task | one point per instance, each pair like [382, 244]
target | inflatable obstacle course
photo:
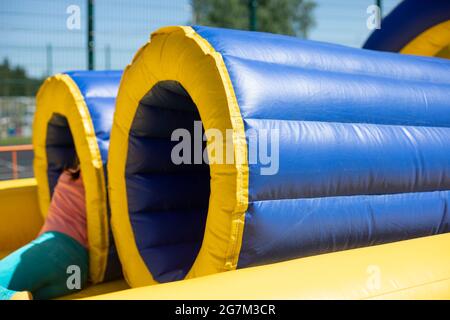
[74, 114]
[413, 269]
[364, 139]
[362, 164]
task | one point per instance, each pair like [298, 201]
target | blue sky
[28, 27]
[344, 21]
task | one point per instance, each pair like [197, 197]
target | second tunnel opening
[60, 148]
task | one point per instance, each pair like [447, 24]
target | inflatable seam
[343, 122]
[350, 73]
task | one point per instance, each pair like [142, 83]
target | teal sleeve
[41, 266]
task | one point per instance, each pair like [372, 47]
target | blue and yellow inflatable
[364, 139]
[415, 27]
[74, 114]
[363, 165]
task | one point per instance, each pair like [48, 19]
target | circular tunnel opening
[167, 200]
[60, 148]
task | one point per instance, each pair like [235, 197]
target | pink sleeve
[67, 211]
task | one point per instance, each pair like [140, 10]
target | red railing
[14, 158]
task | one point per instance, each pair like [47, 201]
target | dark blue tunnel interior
[61, 154]
[60, 148]
[168, 203]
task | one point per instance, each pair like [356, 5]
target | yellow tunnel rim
[430, 42]
[148, 68]
[60, 94]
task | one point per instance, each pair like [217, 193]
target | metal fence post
[90, 35]
[252, 7]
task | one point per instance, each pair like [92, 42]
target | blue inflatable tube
[74, 114]
[361, 159]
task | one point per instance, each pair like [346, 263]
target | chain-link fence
[49, 36]
[16, 117]
[43, 37]
[39, 38]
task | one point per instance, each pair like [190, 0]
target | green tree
[291, 17]
[15, 82]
